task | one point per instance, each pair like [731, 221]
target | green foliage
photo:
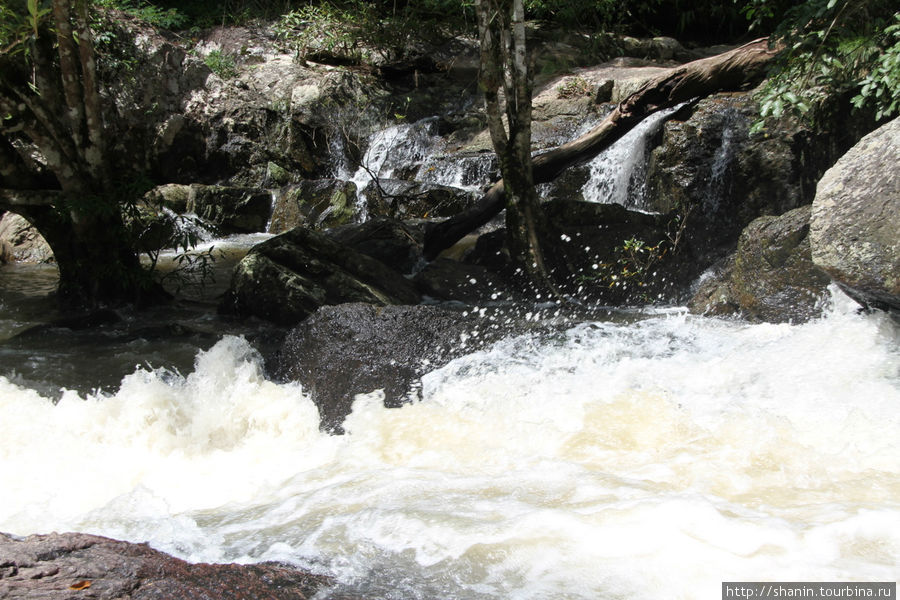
[881, 87]
[221, 64]
[352, 30]
[163, 18]
[20, 23]
[833, 49]
[574, 87]
[326, 27]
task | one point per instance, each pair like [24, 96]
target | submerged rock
[286, 278]
[855, 227]
[342, 351]
[78, 565]
[771, 277]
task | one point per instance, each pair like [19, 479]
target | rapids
[649, 459]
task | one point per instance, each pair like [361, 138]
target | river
[650, 458]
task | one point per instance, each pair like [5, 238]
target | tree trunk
[733, 70]
[50, 97]
[504, 66]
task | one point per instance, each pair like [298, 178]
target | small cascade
[187, 226]
[719, 180]
[469, 172]
[618, 174]
[276, 196]
[392, 153]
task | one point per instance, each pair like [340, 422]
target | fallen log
[730, 71]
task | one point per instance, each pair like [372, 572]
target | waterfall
[721, 161]
[617, 175]
[392, 152]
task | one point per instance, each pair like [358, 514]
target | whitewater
[647, 459]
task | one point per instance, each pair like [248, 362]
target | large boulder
[708, 164]
[20, 242]
[229, 209]
[415, 200]
[342, 351]
[314, 203]
[855, 228]
[771, 277]
[77, 565]
[707, 160]
[286, 278]
[398, 244]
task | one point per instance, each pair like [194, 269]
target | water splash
[712, 450]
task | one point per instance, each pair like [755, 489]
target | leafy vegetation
[574, 87]
[222, 64]
[833, 50]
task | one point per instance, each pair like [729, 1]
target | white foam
[648, 460]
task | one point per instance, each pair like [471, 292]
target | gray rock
[286, 278]
[855, 226]
[77, 565]
[20, 242]
[231, 209]
[342, 351]
[415, 200]
[447, 279]
[397, 244]
[315, 203]
[772, 277]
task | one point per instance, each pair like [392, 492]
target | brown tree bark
[730, 71]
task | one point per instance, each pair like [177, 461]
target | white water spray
[645, 460]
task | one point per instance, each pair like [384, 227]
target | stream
[653, 456]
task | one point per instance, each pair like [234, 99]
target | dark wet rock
[228, 209]
[772, 277]
[709, 164]
[397, 244]
[173, 196]
[594, 247]
[447, 279]
[707, 160]
[713, 295]
[855, 228]
[314, 203]
[345, 350]
[76, 565]
[20, 242]
[415, 200]
[231, 209]
[286, 278]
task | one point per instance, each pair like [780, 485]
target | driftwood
[733, 70]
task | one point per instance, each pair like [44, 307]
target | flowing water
[653, 458]
[617, 175]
